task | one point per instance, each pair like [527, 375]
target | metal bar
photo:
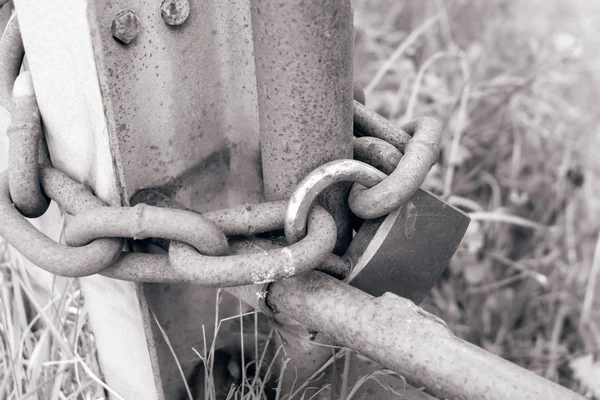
[399, 335]
[303, 59]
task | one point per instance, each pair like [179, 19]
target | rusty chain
[199, 251]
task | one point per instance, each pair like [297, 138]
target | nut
[125, 26]
[175, 12]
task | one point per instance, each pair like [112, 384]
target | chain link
[419, 140]
[44, 252]
[143, 221]
[376, 152]
[25, 133]
[11, 58]
[199, 251]
[316, 182]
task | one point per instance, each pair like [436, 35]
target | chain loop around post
[44, 252]
[198, 251]
[244, 220]
[264, 265]
[185, 264]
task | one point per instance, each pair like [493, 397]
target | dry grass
[514, 84]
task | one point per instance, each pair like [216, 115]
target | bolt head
[175, 12]
[125, 26]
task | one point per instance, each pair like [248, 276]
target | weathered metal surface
[25, 133]
[262, 266]
[319, 301]
[245, 220]
[359, 93]
[125, 26]
[144, 221]
[180, 104]
[315, 183]
[303, 58]
[11, 58]
[369, 123]
[303, 53]
[378, 153]
[420, 153]
[175, 12]
[176, 109]
[401, 336]
[407, 251]
[335, 266]
[46, 253]
[44, 285]
[73, 196]
[186, 265]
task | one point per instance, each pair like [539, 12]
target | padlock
[406, 251]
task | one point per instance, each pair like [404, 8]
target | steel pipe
[303, 58]
[401, 336]
[304, 76]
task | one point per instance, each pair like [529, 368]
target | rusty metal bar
[303, 60]
[399, 335]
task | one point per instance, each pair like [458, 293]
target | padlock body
[407, 251]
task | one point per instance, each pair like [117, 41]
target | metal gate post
[303, 57]
[173, 109]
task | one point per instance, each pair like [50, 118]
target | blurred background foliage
[515, 84]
